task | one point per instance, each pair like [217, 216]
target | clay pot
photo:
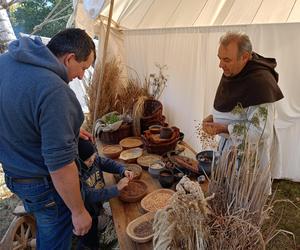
[155, 129]
[166, 178]
[166, 133]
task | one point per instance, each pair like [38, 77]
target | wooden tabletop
[123, 212]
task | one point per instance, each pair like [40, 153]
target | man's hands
[83, 134]
[122, 183]
[82, 222]
[213, 128]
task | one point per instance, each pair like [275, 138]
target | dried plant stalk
[108, 90]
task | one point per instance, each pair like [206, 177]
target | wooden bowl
[131, 142]
[112, 151]
[134, 192]
[156, 200]
[133, 228]
[130, 155]
[146, 160]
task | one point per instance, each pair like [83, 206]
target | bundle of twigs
[108, 89]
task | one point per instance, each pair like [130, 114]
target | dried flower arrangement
[156, 83]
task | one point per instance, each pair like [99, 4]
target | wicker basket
[152, 114]
[114, 137]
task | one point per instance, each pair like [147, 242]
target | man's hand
[83, 134]
[122, 183]
[129, 174]
[208, 119]
[82, 223]
[213, 128]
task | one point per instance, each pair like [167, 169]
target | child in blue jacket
[93, 187]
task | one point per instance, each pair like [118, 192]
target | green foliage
[25, 16]
[112, 118]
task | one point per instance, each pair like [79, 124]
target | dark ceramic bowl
[166, 178]
[205, 159]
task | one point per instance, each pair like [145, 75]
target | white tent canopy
[180, 34]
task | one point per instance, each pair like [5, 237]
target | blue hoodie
[40, 116]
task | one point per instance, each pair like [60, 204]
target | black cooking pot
[205, 160]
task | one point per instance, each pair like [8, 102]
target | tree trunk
[6, 31]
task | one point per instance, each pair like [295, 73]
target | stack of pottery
[160, 143]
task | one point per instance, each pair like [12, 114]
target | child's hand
[129, 174]
[122, 183]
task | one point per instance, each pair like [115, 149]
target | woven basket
[114, 137]
[152, 114]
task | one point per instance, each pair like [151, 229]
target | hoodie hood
[33, 51]
[254, 85]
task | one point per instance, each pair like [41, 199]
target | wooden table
[123, 213]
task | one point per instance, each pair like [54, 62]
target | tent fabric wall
[140, 14]
[191, 57]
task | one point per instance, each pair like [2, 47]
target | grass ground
[287, 214]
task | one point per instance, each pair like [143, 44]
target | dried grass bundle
[128, 94]
[232, 217]
[182, 225]
[107, 91]
[241, 187]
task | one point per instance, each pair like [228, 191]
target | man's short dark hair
[72, 40]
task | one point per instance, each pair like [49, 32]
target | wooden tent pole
[103, 61]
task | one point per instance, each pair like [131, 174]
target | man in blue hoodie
[40, 125]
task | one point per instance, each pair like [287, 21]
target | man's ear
[67, 59]
[246, 56]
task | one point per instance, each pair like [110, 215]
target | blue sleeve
[100, 195]
[110, 166]
[59, 123]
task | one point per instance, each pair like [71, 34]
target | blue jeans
[53, 218]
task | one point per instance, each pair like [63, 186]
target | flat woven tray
[147, 160]
[131, 142]
[131, 154]
[157, 199]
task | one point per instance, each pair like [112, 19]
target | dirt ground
[286, 213]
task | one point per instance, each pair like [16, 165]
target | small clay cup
[166, 178]
[166, 133]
